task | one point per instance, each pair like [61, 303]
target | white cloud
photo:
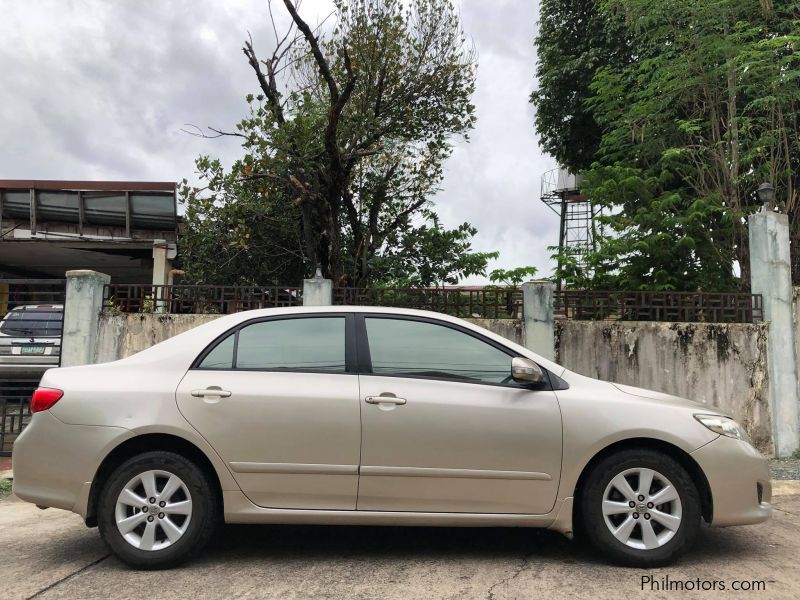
[101, 90]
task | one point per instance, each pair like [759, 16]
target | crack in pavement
[68, 577]
[523, 566]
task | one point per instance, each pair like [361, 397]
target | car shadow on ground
[317, 542]
[389, 542]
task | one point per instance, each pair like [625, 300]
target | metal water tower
[561, 192]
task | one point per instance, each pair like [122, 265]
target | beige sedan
[349, 415]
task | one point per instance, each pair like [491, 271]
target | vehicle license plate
[32, 350]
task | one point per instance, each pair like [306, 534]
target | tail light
[44, 398]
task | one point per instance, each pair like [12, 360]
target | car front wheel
[157, 509]
[640, 508]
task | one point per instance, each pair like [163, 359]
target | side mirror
[525, 370]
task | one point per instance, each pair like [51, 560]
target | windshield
[34, 323]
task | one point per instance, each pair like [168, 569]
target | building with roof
[126, 229]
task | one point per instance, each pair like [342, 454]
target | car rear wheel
[157, 509]
[640, 508]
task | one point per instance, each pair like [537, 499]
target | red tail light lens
[44, 398]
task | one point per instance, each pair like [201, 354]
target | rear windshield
[34, 323]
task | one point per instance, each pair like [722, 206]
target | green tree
[347, 136]
[705, 109]
[238, 234]
[429, 255]
[576, 37]
[512, 277]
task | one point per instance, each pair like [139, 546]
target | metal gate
[15, 411]
[31, 322]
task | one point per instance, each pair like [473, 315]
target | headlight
[724, 426]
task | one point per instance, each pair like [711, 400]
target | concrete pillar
[82, 305]
[317, 291]
[770, 268]
[537, 299]
[163, 253]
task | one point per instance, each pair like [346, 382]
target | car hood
[661, 397]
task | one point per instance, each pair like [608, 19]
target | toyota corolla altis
[351, 415]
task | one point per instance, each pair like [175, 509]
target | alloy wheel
[153, 510]
[642, 508]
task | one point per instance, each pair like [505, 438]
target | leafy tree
[429, 255]
[705, 109]
[239, 234]
[576, 37]
[512, 277]
[346, 139]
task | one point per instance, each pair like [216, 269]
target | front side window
[307, 344]
[422, 349]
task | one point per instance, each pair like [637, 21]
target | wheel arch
[678, 454]
[147, 442]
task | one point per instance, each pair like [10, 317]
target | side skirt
[239, 509]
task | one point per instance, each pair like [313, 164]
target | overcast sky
[93, 89]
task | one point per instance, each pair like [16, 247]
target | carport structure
[123, 228]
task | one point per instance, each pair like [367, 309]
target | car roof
[173, 351]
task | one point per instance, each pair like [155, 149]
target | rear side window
[420, 349]
[221, 356]
[306, 344]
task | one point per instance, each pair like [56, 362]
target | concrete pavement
[51, 554]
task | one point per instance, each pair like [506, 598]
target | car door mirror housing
[525, 370]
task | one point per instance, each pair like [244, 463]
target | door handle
[385, 400]
[214, 392]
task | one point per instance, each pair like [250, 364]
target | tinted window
[401, 347]
[221, 357]
[153, 211]
[34, 323]
[105, 208]
[58, 206]
[16, 205]
[307, 344]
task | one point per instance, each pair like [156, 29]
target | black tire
[598, 533]
[205, 516]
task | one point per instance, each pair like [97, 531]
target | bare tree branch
[217, 133]
[322, 63]
[268, 83]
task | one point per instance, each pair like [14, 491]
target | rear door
[278, 400]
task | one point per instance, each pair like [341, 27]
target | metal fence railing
[490, 302]
[696, 307]
[15, 411]
[486, 303]
[208, 299]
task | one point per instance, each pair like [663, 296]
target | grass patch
[5, 487]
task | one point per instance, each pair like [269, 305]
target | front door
[446, 429]
[278, 400]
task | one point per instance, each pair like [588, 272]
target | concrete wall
[722, 365]
[511, 329]
[121, 335]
